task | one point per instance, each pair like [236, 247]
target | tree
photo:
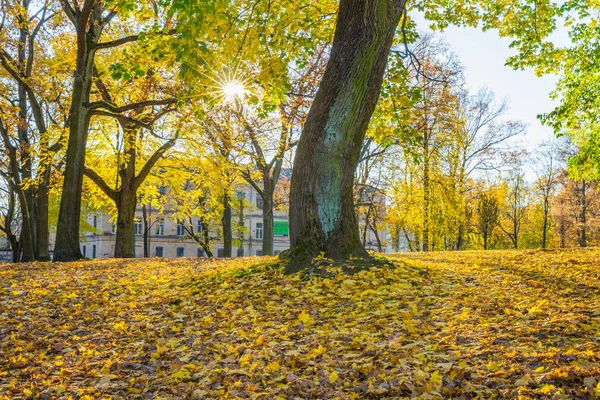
[487, 216]
[322, 216]
[547, 169]
[480, 143]
[26, 122]
[269, 136]
[10, 219]
[144, 134]
[516, 197]
[91, 21]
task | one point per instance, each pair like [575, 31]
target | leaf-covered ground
[441, 325]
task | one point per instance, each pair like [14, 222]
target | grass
[498, 324]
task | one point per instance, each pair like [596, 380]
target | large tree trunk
[322, 215]
[125, 240]
[268, 234]
[126, 199]
[67, 231]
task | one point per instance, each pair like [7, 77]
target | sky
[483, 55]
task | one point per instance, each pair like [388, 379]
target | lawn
[498, 324]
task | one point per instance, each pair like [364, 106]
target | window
[241, 195]
[137, 227]
[114, 228]
[200, 252]
[158, 251]
[162, 190]
[200, 227]
[259, 252]
[95, 223]
[259, 201]
[180, 251]
[84, 251]
[259, 231]
[160, 227]
[180, 230]
[94, 251]
[221, 253]
[240, 252]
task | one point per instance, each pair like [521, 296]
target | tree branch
[116, 109]
[158, 154]
[101, 183]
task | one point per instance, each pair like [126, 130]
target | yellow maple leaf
[304, 317]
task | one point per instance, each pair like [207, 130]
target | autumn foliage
[437, 325]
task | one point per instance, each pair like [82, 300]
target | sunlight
[233, 90]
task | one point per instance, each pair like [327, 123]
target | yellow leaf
[436, 380]
[120, 326]
[272, 367]
[492, 366]
[181, 374]
[333, 376]
[304, 317]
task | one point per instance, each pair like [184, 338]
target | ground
[440, 325]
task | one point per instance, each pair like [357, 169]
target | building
[168, 238]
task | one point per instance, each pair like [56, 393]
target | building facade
[168, 238]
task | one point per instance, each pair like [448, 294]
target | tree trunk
[377, 238]
[408, 241]
[125, 240]
[206, 245]
[426, 193]
[146, 231]
[126, 199]
[583, 216]
[42, 248]
[268, 233]
[322, 215]
[241, 227]
[396, 238]
[67, 231]
[226, 222]
[545, 222]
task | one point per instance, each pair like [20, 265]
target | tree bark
[268, 232]
[88, 27]
[146, 231]
[226, 223]
[125, 239]
[241, 227]
[583, 215]
[545, 222]
[42, 242]
[322, 214]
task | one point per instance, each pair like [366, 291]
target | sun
[233, 90]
